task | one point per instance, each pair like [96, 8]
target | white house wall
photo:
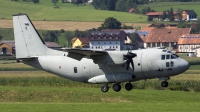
[187, 48]
[103, 45]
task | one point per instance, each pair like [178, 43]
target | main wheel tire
[104, 88]
[164, 84]
[128, 86]
[116, 87]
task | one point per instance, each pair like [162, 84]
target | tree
[135, 38]
[183, 25]
[78, 33]
[179, 14]
[104, 4]
[36, 1]
[170, 15]
[69, 36]
[164, 16]
[77, 2]
[125, 5]
[111, 23]
[1, 37]
[55, 2]
[149, 19]
[51, 36]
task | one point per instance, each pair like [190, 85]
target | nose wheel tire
[164, 84]
[116, 87]
[104, 88]
[128, 86]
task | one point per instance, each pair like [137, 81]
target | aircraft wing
[78, 54]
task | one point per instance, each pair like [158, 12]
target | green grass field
[51, 99]
[66, 12]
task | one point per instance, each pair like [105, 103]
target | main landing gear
[116, 87]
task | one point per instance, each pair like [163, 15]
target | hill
[66, 12]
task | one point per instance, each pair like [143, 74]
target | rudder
[28, 42]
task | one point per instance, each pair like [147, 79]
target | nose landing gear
[164, 84]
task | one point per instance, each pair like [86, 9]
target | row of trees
[117, 5]
[52, 36]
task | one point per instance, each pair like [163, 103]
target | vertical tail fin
[28, 42]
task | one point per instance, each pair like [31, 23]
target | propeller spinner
[129, 59]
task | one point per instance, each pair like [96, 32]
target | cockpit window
[163, 57]
[167, 56]
[169, 52]
[164, 50]
[174, 56]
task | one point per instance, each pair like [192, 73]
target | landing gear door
[86, 71]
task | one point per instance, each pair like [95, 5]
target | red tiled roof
[74, 39]
[154, 13]
[51, 44]
[147, 28]
[84, 40]
[166, 35]
[189, 39]
[131, 10]
[11, 43]
[158, 13]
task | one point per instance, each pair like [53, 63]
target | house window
[75, 70]
[110, 37]
[110, 43]
[153, 44]
[158, 44]
[148, 44]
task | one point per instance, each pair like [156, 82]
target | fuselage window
[163, 57]
[75, 70]
[167, 64]
[167, 56]
[172, 57]
[172, 63]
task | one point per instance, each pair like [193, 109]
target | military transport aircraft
[98, 67]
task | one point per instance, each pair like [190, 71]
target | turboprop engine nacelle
[111, 58]
[120, 77]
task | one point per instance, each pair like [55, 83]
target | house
[8, 46]
[158, 15]
[188, 15]
[155, 15]
[80, 42]
[108, 40]
[164, 37]
[127, 40]
[52, 45]
[189, 43]
[132, 10]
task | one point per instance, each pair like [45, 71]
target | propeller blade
[127, 64]
[132, 64]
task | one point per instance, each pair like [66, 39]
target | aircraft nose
[184, 65]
